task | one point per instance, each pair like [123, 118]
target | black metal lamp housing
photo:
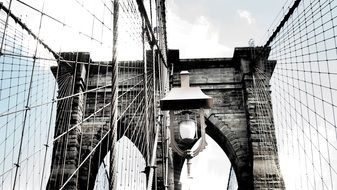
[180, 101]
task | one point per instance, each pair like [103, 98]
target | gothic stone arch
[233, 143]
[67, 151]
[231, 121]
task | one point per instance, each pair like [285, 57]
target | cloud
[246, 15]
[197, 39]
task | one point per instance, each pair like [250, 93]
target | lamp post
[186, 107]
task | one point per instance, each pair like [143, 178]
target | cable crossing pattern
[303, 90]
[79, 85]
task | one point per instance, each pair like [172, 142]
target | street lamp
[186, 106]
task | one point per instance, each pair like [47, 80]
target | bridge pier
[70, 112]
[260, 125]
[82, 132]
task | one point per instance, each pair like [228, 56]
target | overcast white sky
[201, 28]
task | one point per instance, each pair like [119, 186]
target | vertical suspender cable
[27, 105]
[154, 155]
[146, 102]
[49, 126]
[114, 101]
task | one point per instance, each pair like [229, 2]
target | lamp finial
[185, 79]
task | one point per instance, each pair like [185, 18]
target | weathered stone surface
[232, 122]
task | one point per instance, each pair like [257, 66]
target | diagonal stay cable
[24, 26]
[85, 159]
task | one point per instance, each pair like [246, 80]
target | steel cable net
[59, 65]
[304, 95]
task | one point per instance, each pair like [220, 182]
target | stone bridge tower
[240, 122]
[74, 76]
